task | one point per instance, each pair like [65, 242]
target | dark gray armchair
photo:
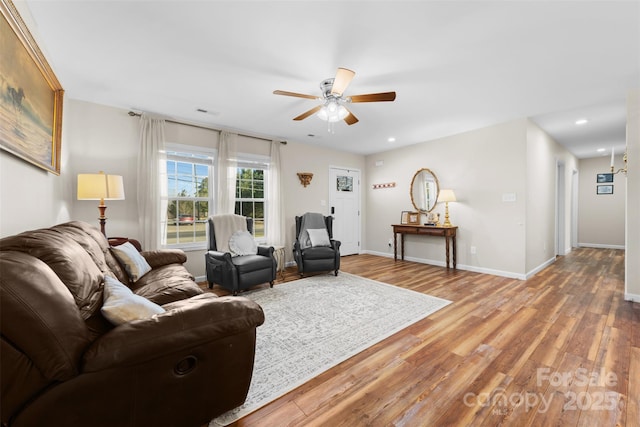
[310, 258]
[237, 273]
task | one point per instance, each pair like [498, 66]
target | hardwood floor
[562, 348]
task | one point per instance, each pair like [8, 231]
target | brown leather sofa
[64, 364]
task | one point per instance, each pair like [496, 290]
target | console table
[448, 233]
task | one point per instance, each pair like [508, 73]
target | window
[189, 174]
[250, 194]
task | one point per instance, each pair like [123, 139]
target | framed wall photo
[604, 177]
[31, 101]
[604, 189]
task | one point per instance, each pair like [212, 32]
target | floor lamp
[99, 186]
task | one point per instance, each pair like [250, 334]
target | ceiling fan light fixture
[332, 112]
[332, 109]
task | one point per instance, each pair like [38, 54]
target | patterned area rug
[315, 323]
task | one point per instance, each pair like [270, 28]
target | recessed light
[601, 150]
[391, 139]
[582, 122]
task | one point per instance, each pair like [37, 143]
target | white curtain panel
[226, 173]
[275, 201]
[152, 182]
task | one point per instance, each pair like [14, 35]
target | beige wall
[480, 166]
[632, 270]
[549, 198]
[601, 218]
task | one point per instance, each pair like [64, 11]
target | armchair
[313, 253]
[236, 273]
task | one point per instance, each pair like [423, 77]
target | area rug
[315, 323]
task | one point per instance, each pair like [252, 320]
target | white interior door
[344, 205]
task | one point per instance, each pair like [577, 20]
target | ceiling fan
[333, 100]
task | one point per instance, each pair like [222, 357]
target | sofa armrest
[161, 257]
[186, 324]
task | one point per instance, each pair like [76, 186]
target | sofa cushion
[166, 284]
[320, 252]
[97, 246]
[122, 306]
[39, 316]
[135, 264]
[248, 263]
[70, 262]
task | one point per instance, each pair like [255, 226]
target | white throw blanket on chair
[224, 226]
[309, 220]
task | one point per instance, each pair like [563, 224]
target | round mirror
[424, 190]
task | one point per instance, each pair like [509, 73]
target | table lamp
[446, 196]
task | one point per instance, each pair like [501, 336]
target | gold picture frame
[411, 218]
[30, 96]
[414, 218]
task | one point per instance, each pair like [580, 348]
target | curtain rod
[134, 114]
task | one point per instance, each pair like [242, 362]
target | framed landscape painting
[30, 95]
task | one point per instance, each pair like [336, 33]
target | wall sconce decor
[305, 178]
[623, 169]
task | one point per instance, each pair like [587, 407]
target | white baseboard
[599, 246]
[632, 297]
[201, 279]
[438, 263]
[567, 251]
[541, 267]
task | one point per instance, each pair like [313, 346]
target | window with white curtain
[251, 192]
[189, 174]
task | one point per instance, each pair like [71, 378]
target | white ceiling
[455, 65]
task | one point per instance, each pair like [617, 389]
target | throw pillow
[242, 243]
[121, 305]
[134, 263]
[319, 237]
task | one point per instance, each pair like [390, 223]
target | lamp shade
[446, 196]
[99, 186]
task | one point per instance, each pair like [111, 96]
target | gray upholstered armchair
[231, 271]
[314, 249]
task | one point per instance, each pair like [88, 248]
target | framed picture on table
[409, 217]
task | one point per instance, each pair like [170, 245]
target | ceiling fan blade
[342, 80]
[351, 119]
[297, 95]
[308, 113]
[374, 97]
